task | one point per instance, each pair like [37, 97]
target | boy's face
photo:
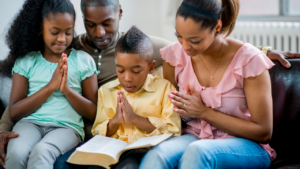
[132, 71]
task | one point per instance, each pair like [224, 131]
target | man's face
[101, 24]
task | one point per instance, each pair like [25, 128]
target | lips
[128, 88]
[59, 46]
[188, 52]
[102, 41]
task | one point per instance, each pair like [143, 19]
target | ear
[218, 27]
[41, 30]
[121, 12]
[151, 67]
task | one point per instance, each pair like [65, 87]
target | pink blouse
[228, 96]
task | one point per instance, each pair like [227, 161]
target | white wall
[154, 17]
[8, 9]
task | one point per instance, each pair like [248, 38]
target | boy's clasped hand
[124, 112]
[59, 78]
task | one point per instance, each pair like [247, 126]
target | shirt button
[96, 50]
[100, 56]
[98, 71]
[99, 64]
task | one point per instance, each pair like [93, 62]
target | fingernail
[288, 64]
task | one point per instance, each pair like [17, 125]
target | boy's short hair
[136, 42]
[96, 3]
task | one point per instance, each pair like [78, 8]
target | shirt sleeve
[23, 65]
[170, 121]
[87, 66]
[6, 123]
[103, 116]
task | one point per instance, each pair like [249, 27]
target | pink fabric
[228, 96]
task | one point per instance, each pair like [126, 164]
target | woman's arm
[258, 95]
[169, 73]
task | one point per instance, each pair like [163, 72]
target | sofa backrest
[286, 111]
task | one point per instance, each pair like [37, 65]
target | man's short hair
[96, 3]
[136, 42]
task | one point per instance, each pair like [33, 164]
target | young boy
[135, 105]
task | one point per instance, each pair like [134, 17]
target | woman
[224, 93]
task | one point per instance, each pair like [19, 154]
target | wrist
[266, 49]
[203, 113]
[67, 91]
[115, 120]
[49, 88]
[134, 120]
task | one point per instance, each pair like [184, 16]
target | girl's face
[193, 39]
[58, 32]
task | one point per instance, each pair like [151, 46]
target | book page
[103, 145]
[150, 141]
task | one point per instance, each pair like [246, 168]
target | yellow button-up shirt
[151, 102]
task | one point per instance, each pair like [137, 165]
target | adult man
[101, 19]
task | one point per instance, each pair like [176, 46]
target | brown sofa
[286, 104]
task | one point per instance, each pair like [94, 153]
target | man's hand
[4, 138]
[282, 56]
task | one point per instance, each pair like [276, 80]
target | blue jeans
[187, 151]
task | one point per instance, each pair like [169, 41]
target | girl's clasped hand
[59, 78]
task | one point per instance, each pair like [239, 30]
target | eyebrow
[135, 66]
[85, 20]
[60, 29]
[194, 37]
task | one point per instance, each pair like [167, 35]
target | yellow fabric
[151, 101]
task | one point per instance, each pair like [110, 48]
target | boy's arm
[103, 116]
[170, 121]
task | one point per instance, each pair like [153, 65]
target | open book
[105, 151]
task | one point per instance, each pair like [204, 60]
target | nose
[100, 31]
[185, 45]
[61, 37]
[127, 77]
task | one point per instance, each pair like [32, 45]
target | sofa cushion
[5, 88]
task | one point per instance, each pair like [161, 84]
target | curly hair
[136, 42]
[23, 35]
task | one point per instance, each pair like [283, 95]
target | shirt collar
[148, 85]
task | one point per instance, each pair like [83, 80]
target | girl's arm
[85, 105]
[258, 95]
[20, 105]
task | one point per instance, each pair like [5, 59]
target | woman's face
[193, 39]
[58, 32]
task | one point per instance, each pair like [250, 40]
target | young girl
[224, 93]
[53, 85]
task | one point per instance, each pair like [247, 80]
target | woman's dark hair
[24, 34]
[229, 10]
